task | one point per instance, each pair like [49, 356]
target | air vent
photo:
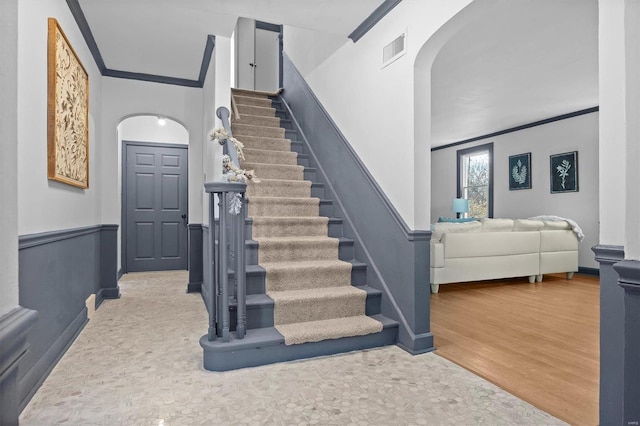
[394, 50]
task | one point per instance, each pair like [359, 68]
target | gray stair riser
[335, 228]
[261, 315]
[309, 174]
[317, 190]
[281, 114]
[326, 208]
[225, 360]
[303, 160]
[291, 134]
[297, 147]
[258, 316]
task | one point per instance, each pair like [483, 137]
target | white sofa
[501, 248]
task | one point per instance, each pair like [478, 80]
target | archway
[153, 185]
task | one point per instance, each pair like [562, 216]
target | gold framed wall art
[67, 112]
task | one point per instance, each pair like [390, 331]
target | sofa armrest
[437, 254]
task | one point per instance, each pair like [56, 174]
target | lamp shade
[460, 205]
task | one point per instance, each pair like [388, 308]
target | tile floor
[138, 362]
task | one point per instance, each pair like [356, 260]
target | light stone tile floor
[138, 362]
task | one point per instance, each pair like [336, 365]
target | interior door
[246, 45]
[257, 55]
[267, 65]
[156, 207]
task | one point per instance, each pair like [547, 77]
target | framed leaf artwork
[564, 172]
[67, 112]
[520, 171]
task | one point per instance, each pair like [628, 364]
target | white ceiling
[528, 60]
[168, 37]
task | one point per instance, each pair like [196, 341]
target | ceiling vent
[394, 50]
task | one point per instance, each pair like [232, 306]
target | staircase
[306, 294]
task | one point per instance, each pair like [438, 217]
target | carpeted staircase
[302, 278]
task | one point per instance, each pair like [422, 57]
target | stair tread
[311, 264]
[295, 219]
[257, 151]
[321, 293]
[289, 200]
[245, 163]
[295, 239]
[336, 328]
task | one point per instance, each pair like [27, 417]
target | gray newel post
[230, 249]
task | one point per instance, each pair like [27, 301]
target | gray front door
[156, 207]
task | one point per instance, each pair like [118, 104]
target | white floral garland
[221, 135]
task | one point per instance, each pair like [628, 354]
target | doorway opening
[154, 194]
[258, 53]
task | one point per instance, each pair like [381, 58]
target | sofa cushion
[561, 240]
[497, 225]
[556, 224]
[487, 244]
[528, 225]
[441, 228]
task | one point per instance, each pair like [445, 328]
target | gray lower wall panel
[58, 271]
[195, 258]
[611, 335]
[629, 279]
[14, 328]
[398, 257]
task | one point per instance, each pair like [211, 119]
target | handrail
[223, 114]
[234, 107]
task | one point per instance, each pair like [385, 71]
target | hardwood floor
[538, 341]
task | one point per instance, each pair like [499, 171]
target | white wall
[611, 51]
[574, 134]
[9, 157]
[45, 205]
[374, 106]
[146, 128]
[297, 42]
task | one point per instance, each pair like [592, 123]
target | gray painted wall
[397, 257]
[611, 335]
[58, 272]
[573, 134]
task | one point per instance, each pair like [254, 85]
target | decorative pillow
[528, 225]
[457, 220]
[497, 225]
[556, 224]
[441, 228]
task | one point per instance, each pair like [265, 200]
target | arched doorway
[154, 185]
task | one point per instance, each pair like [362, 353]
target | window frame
[488, 147]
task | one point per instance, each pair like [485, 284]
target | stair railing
[227, 248]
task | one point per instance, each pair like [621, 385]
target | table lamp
[460, 205]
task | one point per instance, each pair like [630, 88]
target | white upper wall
[126, 98]
[147, 128]
[9, 157]
[574, 134]
[374, 106]
[297, 42]
[45, 205]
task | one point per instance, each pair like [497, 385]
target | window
[475, 179]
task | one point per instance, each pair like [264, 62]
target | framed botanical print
[564, 172]
[520, 171]
[67, 112]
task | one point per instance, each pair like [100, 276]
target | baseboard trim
[421, 344]
[107, 293]
[194, 287]
[33, 379]
[589, 271]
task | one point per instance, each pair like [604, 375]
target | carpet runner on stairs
[311, 288]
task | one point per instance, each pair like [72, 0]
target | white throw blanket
[571, 222]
